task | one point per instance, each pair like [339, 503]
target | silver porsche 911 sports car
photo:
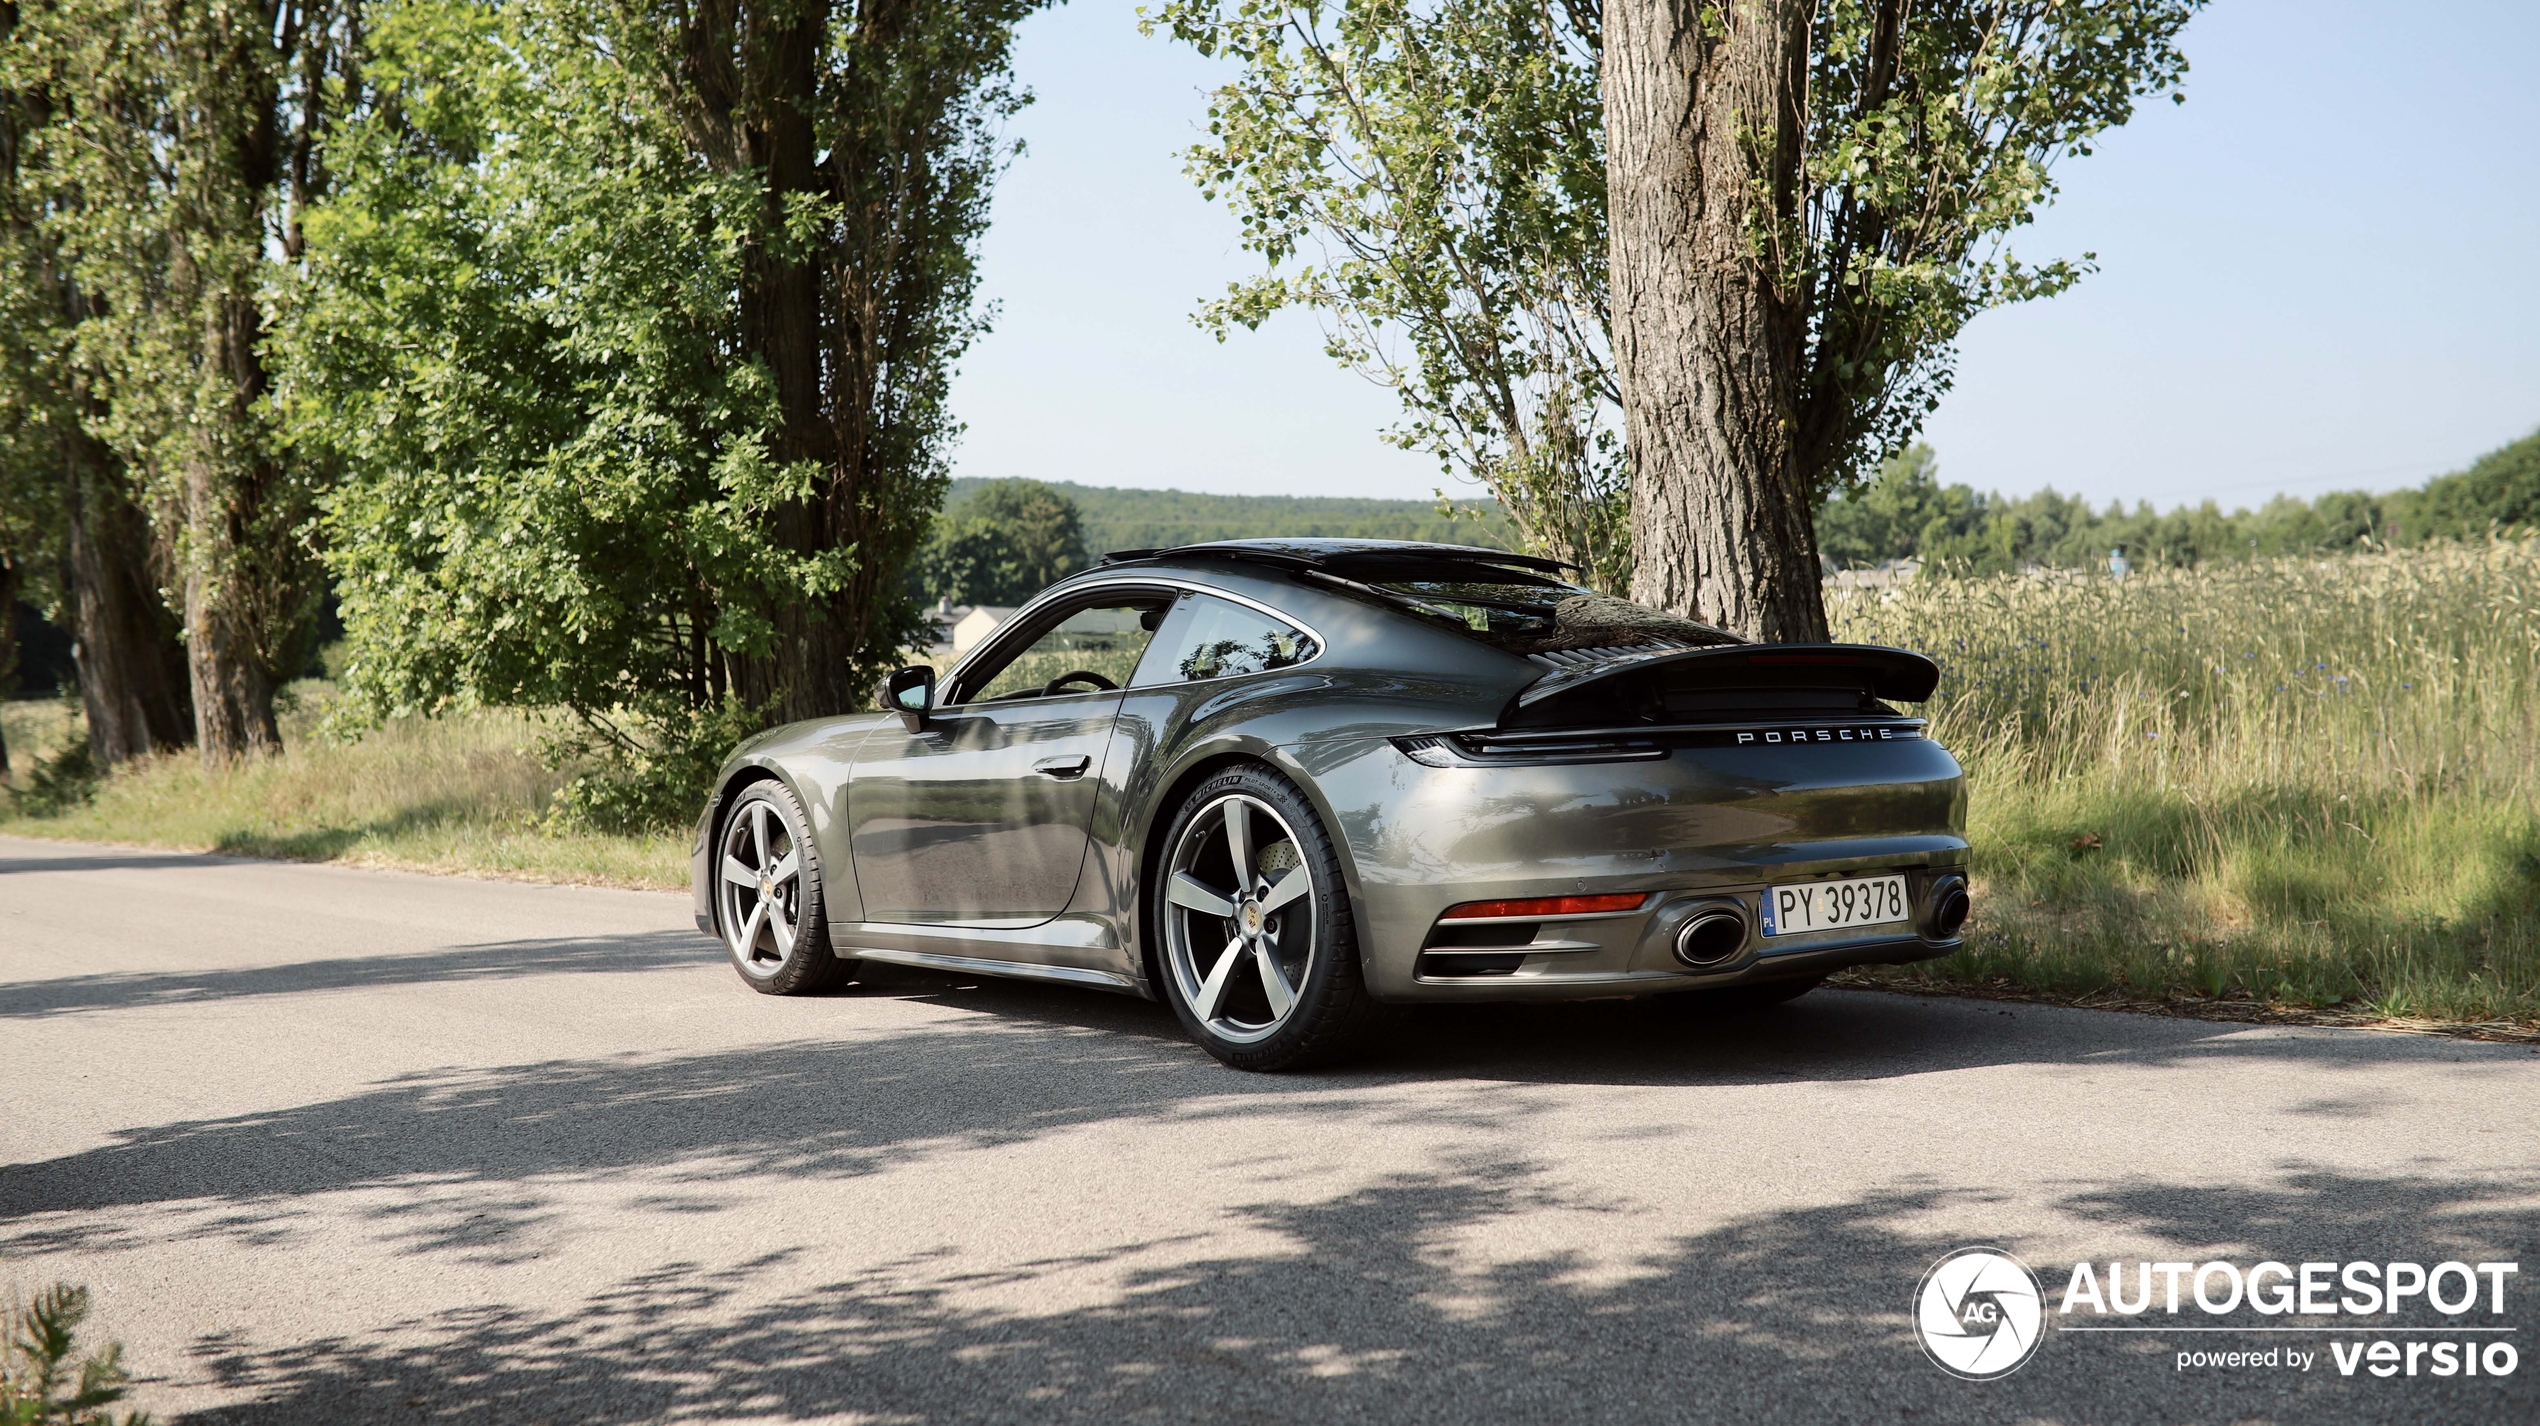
[1283, 784]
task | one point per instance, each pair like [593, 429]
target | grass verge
[464, 794]
[2309, 785]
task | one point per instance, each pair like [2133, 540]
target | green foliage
[1906, 513]
[580, 476]
[468, 794]
[67, 779]
[1431, 179]
[1900, 514]
[44, 1381]
[1930, 136]
[36, 395]
[177, 151]
[554, 477]
[2500, 492]
[1002, 544]
[648, 769]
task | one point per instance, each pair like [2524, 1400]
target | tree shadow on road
[1356, 1315]
[1826, 1035]
[1024, 1062]
[495, 960]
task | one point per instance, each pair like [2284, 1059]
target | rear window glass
[1527, 614]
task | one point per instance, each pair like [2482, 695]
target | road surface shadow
[495, 960]
[1355, 1315]
[89, 859]
[1685, 1039]
[1026, 1063]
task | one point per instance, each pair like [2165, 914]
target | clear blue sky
[2318, 273]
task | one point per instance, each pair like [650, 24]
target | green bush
[41, 1384]
[647, 769]
[59, 783]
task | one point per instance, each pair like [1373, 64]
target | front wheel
[1259, 953]
[768, 901]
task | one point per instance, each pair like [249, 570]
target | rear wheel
[767, 897]
[1258, 952]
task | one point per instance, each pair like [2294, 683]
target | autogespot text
[2451, 1313]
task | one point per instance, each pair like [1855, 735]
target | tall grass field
[2308, 781]
[2305, 784]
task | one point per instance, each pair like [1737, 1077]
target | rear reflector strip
[1546, 906]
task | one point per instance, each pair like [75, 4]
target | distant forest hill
[1906, 513]
[1154, 519]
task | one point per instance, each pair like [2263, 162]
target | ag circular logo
[1979, 1314]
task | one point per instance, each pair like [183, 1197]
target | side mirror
[911, 694]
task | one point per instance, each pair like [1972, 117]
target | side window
[1105, 640]
[1210, 637]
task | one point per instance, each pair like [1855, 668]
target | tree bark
[131, 668]
[1703, 133]
[244, 579]
[816, 654]
[229, 581]
[751, 72]
[12, 580]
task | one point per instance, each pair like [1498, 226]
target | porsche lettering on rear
[1874, 734]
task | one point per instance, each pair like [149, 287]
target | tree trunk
[1702, 136]
[808, 673]
[244, 577]
[12, 580]
[131, 668]
[229, 580]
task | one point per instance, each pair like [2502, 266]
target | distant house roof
[981, 621]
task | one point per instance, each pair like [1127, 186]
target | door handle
[1064, 768]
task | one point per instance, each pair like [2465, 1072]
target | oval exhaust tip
[1710, 938]
[1949, 914]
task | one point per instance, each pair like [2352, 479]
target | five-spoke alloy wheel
[768, 901]
[1258, 954]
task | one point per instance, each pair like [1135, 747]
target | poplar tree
[1741, 234]
[1807, 200]
[630, 329]
[71, 536]
[185, 142]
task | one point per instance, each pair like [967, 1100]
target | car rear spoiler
[1882, 672]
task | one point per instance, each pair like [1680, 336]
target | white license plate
[1834, 905]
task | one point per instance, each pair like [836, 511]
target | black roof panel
[1318, 553]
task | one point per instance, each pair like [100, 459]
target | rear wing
[1870, 670]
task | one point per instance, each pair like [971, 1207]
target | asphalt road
[345, 1146]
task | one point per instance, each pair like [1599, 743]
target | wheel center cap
[1252, 918]
[766, 887]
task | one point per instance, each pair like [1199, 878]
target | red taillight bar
[1545, 906]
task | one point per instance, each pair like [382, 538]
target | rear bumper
[1635, 952]
[1702, 827]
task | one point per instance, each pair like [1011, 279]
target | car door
[981, 817]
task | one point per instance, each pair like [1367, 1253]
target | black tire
[763, 831]
[1329, 1015]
